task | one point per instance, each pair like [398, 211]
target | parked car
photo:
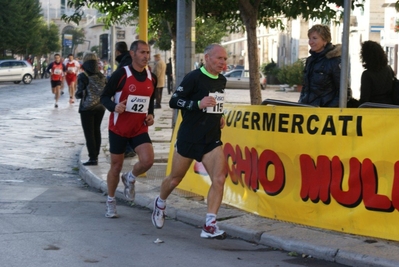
[239, 79]
[16, 71]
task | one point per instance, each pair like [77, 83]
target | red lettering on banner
[395, 186]
[371, 199]
[318, 180]
[255, 169]
[353, 196]
[271, 186]
[315, 178]
[321, 181]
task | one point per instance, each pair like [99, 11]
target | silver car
[16, 71]
[239, 79]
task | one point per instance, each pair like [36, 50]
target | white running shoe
[129, 190]
[111, 209]
[213, 231]
[158, 215]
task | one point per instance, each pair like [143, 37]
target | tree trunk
[249, 15]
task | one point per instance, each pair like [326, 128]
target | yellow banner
[330, 168]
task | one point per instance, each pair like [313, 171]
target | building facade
[96, 35]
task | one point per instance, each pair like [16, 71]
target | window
[17, 64]
[235, 74]
[5, 65]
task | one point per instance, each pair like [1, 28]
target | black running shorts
[195, 150]
[55, 84]
[117, 143]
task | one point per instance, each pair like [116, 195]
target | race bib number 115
[218, 108]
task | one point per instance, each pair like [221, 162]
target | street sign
[68, 40]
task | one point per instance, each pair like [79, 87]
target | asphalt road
[50, 217]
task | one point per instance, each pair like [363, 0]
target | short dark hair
[135, 45]
[121, 47]
[70, 55]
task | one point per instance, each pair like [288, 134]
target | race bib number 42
[218, 108]
[57, 71]
[137, 104]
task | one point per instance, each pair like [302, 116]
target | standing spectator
[129, 96]
[57, 70]
[376, 80]
[36, 67]
[322, 69]
[91, 83]
[169, 75]
[29, 59]
[72, 66]
[159, 71]
[199, 136]
[100, 66]
[122, 55]
[44, 67]
[107, 70]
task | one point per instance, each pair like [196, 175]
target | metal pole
[185, 42]
[112, 48]
[48, 14]
[343, 90]
[180, 40]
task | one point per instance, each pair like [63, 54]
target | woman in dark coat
[376, 81]
[322, 70]
[91, 82]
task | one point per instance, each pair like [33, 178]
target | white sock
[210, 218]
[161, 203]
[131, 177]
[110, 199]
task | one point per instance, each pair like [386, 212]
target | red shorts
[70, 78]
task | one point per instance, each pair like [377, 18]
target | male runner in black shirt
[200, 97]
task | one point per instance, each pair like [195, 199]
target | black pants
[158, 96]
[170, 84]
[91, 124]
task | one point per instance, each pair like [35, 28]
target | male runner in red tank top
[129, 96]
[72, 71]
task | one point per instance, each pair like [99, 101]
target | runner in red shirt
[56, 70]
[129, 96]
[72, 67]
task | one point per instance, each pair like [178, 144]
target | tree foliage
[236, 15]
[23, 30]
[206, 31]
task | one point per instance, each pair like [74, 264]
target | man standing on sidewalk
[200, 98]
[122, 55]
[169, 75]
[129, 96]
[159, 71]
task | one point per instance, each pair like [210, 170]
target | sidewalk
[189, 208]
